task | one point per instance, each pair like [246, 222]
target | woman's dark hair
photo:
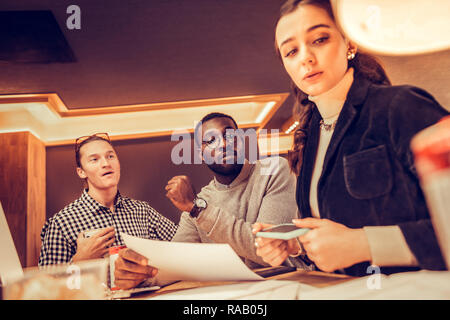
[363, 64]
[78, 146]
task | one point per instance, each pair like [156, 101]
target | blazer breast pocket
[368, 173]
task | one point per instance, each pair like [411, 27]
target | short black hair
[210, 116]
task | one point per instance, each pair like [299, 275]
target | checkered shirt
[137, 218]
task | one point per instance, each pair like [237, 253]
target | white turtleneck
[387, 244]
[329, 104]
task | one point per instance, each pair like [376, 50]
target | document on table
[192, 261]
[255, 290]
[415, 285]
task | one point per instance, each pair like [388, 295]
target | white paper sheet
[259, 290]
[192, 261]
[418, 285]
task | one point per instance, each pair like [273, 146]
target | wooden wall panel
[22, 191]
[13, 186]
[36, 198]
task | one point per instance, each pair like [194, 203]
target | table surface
[313, 278]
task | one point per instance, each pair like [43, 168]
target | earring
[350, 55]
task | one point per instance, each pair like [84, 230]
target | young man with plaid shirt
[101, 210]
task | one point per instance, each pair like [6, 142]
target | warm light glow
[21, 130]
[274, 144]
[395, 27]
[265, 111]
[292, 127]
[48, 118]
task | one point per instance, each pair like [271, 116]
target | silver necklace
[327, 126]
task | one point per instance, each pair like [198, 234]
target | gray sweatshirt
[262, 192]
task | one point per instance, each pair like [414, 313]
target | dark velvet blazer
[368, 176]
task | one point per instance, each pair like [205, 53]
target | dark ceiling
[132, 52]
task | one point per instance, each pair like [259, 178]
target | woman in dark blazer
[357, 188]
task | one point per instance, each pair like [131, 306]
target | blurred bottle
[431, 148]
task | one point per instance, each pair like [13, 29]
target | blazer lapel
[356, 96]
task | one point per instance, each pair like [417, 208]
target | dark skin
[131, 268]
[224, 172]
[180, 190]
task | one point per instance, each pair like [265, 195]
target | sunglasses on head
[79, 141]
